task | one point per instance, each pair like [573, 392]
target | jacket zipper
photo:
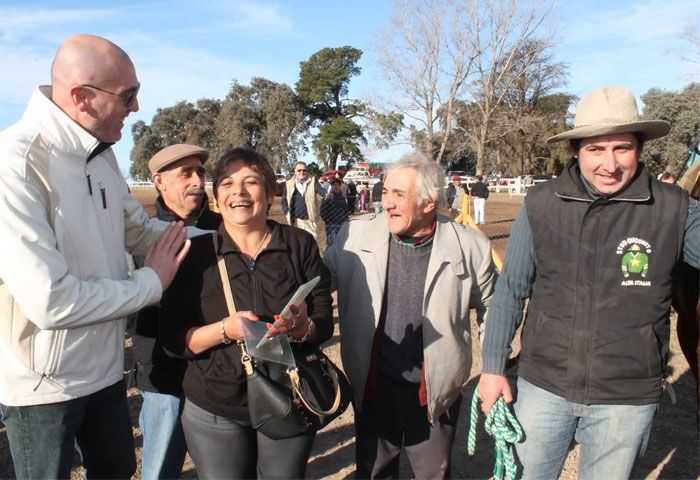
[52, 360]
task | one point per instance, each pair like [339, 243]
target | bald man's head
[94, 82]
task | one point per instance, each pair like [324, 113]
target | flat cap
[173, 153]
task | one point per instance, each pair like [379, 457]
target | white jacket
[64, 293]
[461, 276]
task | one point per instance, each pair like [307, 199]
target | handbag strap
[224, 277]
[294, 376]
[245, 357]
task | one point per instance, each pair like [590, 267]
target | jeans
[612, 437]
[378, 207]
[331, 233]
[42, 436]
[479, 204]
[164, 446]
[225, 448]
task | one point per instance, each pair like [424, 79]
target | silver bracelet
[224, 338]
[306, 334]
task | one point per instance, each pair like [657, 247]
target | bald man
[66, 221]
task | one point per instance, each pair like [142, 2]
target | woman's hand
[295, 325]
[232, 325]
[227, 331]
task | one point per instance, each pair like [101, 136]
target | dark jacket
[597, 327]
[214, 379]
[480, 190]
[154, 370]
[452, 192]
[334, 210]
[377, 191]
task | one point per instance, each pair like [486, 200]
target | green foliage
[169, 126]
[340, 136]
[682, 110]
[314, 170]
[265, 115]
[322, 88]
[323, 82]
[383, 128]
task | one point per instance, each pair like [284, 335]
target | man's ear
[429, 207]
[79, 97]
[157, 180]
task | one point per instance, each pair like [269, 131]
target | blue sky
[184, 51]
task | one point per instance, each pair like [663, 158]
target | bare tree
[426, 59]
[690, 38]
[513, 42]
[441, 54]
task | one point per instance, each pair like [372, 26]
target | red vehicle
[330, 174]
[370, 167]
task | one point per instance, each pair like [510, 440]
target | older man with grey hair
[406, 281]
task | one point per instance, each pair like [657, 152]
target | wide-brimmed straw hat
[609, 110]
[173, 153]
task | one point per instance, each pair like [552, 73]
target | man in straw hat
[593, 250]
[177, 172]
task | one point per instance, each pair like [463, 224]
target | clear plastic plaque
[302, 292]
[275, 349]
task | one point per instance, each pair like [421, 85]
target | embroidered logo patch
[634, 262]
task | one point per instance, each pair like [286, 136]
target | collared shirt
[301, 187]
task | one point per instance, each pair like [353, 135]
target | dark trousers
[224, 448]
[42, 436]
[396, 420]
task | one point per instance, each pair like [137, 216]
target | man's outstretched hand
[166, 253]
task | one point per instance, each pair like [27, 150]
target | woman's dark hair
[251, 159]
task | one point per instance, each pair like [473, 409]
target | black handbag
[285, 401]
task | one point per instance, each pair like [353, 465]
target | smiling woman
[268, 261]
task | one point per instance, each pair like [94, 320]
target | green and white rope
[502, 425]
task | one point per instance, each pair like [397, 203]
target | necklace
[252, 257]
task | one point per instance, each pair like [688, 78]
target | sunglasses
[127, 97]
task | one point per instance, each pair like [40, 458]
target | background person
[407, 353]
[299, 200]
[455, 192]
[66, 222]
[377, 194]
[596, 339]
[352, 196]
[177, 172]
[479, 192]
[266, 262]
[334, 211]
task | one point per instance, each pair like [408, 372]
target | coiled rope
[502, 425]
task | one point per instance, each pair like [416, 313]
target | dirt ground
[673, 451]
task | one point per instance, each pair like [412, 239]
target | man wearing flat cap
[593, 250]
[177, 172]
